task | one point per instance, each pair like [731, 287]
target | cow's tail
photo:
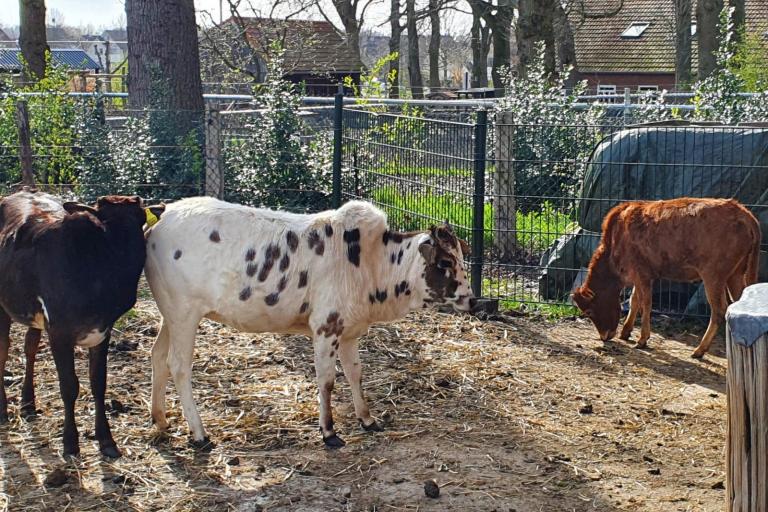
[753, 258]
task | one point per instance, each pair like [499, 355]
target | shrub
[272, 167]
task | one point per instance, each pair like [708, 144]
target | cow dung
[431, 489]
[56, 478]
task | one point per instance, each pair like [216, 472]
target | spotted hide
[328, 275]
[72, 270]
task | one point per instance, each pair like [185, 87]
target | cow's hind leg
[717, 304]
[180, 357]
[350, 361]
[644, 299]
[629, 322]
[736, 284]
[160, 375]
[326, 348]
[31, 347]
[5, 343]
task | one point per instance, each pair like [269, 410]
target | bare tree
[535, 23]
[683, 76]
[32, 38]
[481, 43]
[707, 17]
[414, 62]
[434, 43]
[351, 13]
[396, 28]
[163, 56]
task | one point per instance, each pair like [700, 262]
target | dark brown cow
[713, 240]
[73, 270]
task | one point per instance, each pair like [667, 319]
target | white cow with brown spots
[329, 275]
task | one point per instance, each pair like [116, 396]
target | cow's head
[602, 306]
[117, 209]
[446, 280]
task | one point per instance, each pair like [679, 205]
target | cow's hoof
[28, 412]
[697, 355]
[111, 451]
[333, 441]
[72, 452]
[641, 346]
[373, 427]
[206, 445]
[625, 336]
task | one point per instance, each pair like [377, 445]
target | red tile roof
[601, 49]
[312, 47]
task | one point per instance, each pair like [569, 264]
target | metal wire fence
[531, 197]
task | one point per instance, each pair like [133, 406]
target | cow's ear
[583, 298]
[427, 249]
[74, 207]
[465, 249]
[157, 210]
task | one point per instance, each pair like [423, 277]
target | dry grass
[497, 412]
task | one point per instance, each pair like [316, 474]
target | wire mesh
[546, 188]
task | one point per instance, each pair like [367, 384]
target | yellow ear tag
[151, 218]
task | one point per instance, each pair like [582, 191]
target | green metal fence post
[478, 203]
[338, 130]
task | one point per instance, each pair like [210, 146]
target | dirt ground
[518, 415]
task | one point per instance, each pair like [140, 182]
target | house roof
[4, 36]
[71, 57]
[601, 49]
[311, 47]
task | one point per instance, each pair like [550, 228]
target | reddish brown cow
[713, 240]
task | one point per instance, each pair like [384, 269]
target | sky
[109, 13]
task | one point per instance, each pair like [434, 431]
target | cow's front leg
[62, 347]
[629, 322]
[326, 349]
[350, 361]
[97, 371]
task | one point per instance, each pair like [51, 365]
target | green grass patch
[536, 229]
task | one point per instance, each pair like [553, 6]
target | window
[647, 88]
[635, 30]
[606, 90]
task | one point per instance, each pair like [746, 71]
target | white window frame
[635, 30]
[607, 90]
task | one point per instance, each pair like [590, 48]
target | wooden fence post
[505, 211]
[214, 170]
[747, 395]
[25, 144]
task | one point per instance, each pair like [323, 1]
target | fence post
[214, 170]
[505, 203]
[478, 203]
[25, 145]
[746, 487]
[627, 103]
[338, 131]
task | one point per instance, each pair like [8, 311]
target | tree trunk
[32, 38]
[414, 62]
[707, 18]
[394, 47]
[163, 56]
[535, 23]
[683, 76]
[501, 28]
[739, 19]
[434, 44]
[348, 15]
[481, 43]
[565, 54]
